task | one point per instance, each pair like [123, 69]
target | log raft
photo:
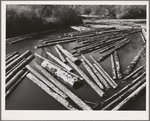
[71, 95]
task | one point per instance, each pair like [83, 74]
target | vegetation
[23, 19]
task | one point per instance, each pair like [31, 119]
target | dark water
[28, 96]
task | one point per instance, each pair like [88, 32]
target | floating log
[11, 55]
[58, 66]
[143, 38]
[92, 75]
[105, 74]
[47, 82]
[60, 62]
[72, 96]
[134, 62]
[87, 79]
[137, 74]
[133, 73]
[14, 67]
[11, 59]
[111, 51]
[60, 55]
[56, 96]
[124, 95]
[123, 90]
[13, 87]
[69, 55]
[66, 77]
[100, 77]
[144, 34]
[118, 69]
[14, 62]
[14, 79]
[130, 97]
[113, 67]
[19, 67]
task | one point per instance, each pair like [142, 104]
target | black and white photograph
[75, 60]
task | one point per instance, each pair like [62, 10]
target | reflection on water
[28, 96]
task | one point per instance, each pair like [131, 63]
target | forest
[24, 19]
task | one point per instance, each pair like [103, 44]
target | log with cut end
[92, 74]
[69, 55]
[19, 67]
[71, 95]
[87, 79]
[60, 62]
[58, 66]
[123, 90]
[100, 77]
[118, 69]
[134, 62]
[63, 75]
[124, 95]
[113, 67]
[130, 97]
[49, 91]
[18, 59]
[60, 55]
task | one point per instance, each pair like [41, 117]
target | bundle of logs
[53, 77]
[15, 69]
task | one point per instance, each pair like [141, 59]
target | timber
[60, 55]
[111, 51]
[11, 55]
[14, 79]
[11, 59]
[92, 74]
[137, 74]
[134, 62]
[60, 62]
[71, 95]
[130, 97]
[66, 77]
[14, 62]
[100, 77]
[87, 79]
[118, 69]
[13, 87]
[143, 38]
[123, 89]
[14, 67]
[109, 79]
[49, 91]
[133, 73]
[121, 97]
[58, 66]
[69, 55]
[47, 82]
[113, 67]
[20, 66]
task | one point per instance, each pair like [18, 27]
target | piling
[66, 77]
[71, 95]
[87, 79]
[56, 96]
